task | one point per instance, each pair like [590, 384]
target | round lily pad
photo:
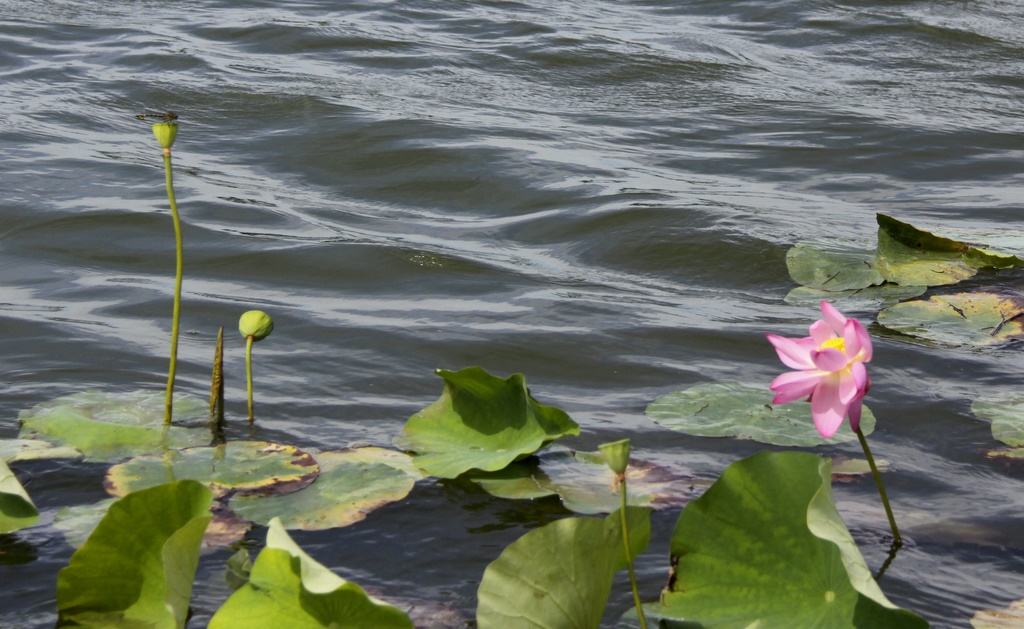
[238, 467]
[108, 426]
[745, 411]
[978, 319]
[351, 484]
[1006, 414]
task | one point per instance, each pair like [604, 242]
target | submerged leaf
[351, 484]
[107, 426]
[978, 319]
[1006, 413]
[1010, 618]
[833, 265]
[288, 588]
[559, 575]
[238, 467]
[137, 567]
[870, 298]
[16, 508]
[13, 450]
[766, 544]
[481, 422]
[745, 411]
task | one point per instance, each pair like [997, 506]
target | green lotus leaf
[288, 588]
[930, 264]
[979, 247]
[16, 508]
[108, 426]
[1010, 618]
[833, 264]
[1006, 414]
[13, 450]
[745, 411]
[766, 544]
[237, 467]
[559, 575]
[978, 319]
[351, 484]
[871, 298]
[846, 469]
[137, 567]
[1011, 454]
[585, 483]
[481, 422]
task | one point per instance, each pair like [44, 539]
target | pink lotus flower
[831, 373]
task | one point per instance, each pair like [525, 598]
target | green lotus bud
[165, 133]
[256, 324]
[616, 455]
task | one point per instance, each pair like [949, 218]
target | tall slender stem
[629, 558]
[897, 541]
[176, 317]
[248, 374]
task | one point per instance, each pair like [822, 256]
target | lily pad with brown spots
[976, 319]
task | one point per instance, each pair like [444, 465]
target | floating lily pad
[12, 450]
[351, 484]
[137, 567]
[833, 265]
[745, 411]
[288, 588]
[586, 485]
[1011, 454]
[871, 298]
[846, 469]
[16, 508]
[1006, 414]
[481, 422]
[766, 545]
[980, 248]
[1010, 618]
[559, 575]
[978, 319]
[107, 426]
[924, 265]
[238, 467]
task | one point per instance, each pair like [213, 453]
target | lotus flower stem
[629, 559]
[176, 317]
[897, 541]
[248, 375]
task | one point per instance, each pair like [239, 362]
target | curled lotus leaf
[16, 508]
[833, 264]
[745, 411]
[481, 422]
[909, 265]
[237, 467]
[979, 247]
[351, 484]
[973, 319]
[107, 426]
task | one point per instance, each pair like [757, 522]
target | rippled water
[597, 194]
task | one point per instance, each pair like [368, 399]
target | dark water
[597, 194]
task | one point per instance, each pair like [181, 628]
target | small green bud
[256, 324]
[616, 455]
[165, 133]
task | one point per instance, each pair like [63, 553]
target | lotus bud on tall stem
[616, 455]
[254, 325]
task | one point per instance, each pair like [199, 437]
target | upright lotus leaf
[977, 319]
[137, 567]
[585, 483]
[871, 298]
[107, 426]
[13, 450]
[1006, 412]
[351, 484]
[481, 422]
[16, 508]
[1010, 618]
[288, 588]
[559, 575]
[833, 264]
[238, 467]
[766, 544]
[745, 411]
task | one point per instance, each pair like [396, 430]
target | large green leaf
[980, 248]
[237, 467]
[351, 484]
[977, 319]
[137, 567]
[732, 409]
[586, 484]
[559, 575]
[481, 422]
[16, 508]
[930, 263]
[288, 588]
[766, 544]
[108, 426]
[833, 264]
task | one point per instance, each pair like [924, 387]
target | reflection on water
[599, 195]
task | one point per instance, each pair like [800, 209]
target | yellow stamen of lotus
[835, 343]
